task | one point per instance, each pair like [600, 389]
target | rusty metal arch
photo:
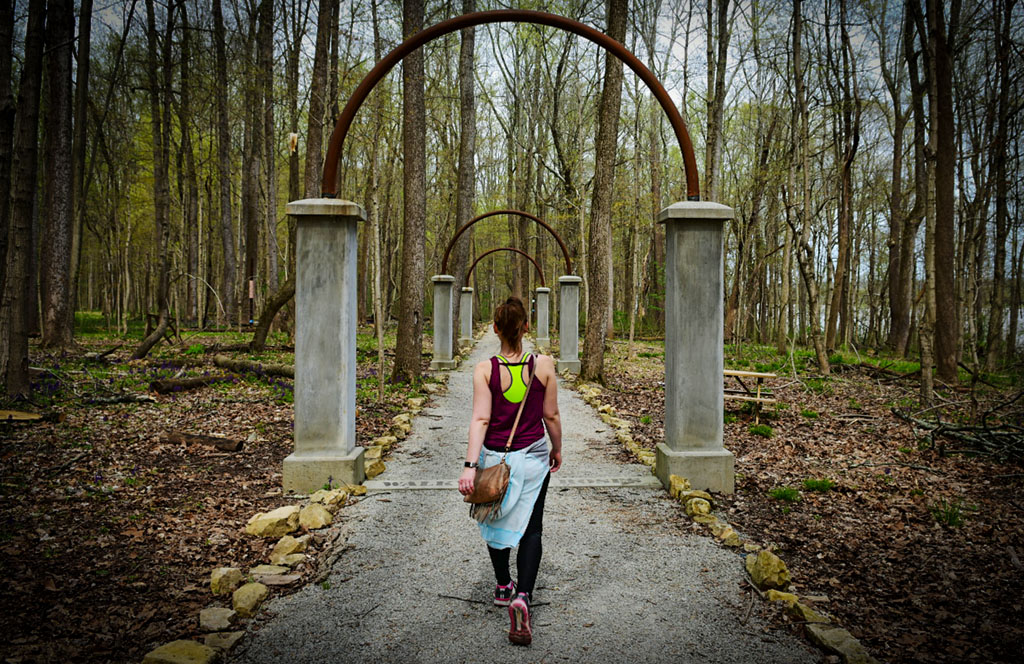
[518, 251]
[481, 217]
[380, 70]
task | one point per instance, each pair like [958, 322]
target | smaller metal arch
[540, 272]
[481, 217]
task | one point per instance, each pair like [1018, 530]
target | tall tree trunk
[78, 141]
[58, 315]
[1003, 47]
[373, 211]
[409, 345]
[317, 98]
[253, 149]
[191, 203]
[717, 15]
[160, 112]
[851, 139]
[6, 130]
[228, 280]
[804, 251]
[947, 331]
[467, 163]
[265, 50]
[899, 223]
[599, 303]
[16, 304]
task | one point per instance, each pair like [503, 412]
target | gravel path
[621, 580]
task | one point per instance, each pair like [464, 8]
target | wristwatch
[470, 464]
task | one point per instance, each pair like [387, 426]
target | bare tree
[228, 285]
[55, 278]
[79, 139]
[317, 101]
[801, 224]
[159, 80]
[15, 304]
[592, 361]
[940, 45]
[465, 188]
[717, 16]
[6, 128]
[409, 345]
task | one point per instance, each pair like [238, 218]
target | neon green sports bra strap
[517, 389]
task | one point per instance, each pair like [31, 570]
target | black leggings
[528, 556]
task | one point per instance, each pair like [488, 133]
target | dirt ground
[108, 532]
[918, 552]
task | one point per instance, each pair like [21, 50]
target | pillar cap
[325, 207]
[696, 211]
[443, 279]
[570, 279]
[467, 289]
[543, 289]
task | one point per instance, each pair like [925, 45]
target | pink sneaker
[503, 594]
[519, 614]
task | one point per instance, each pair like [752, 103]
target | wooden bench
[752, 393]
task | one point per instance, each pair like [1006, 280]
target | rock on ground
[182, 652]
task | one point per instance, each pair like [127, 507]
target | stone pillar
[466, 316]
[543, 325]
[326, 248]
[443, 284]
[569, 323]
[693, 347]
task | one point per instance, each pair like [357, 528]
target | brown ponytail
[510, 318]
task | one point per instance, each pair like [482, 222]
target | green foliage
[948, 513]
[762, 430]
[645, 419]
[905, 450]
[648, 353]
[196, 349]
[823, 484]
[809, 413]
[729, 418]
[819, 385]
[785, 493]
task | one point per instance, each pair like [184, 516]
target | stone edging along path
[224, 626]
[767, 573]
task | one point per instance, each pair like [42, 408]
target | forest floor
[108, 531]
[917, 545]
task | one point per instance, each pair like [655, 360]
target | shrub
[762, 430]
[195, 349]
[948, 513]
[824, 484]
[729, 418]
[785, 493]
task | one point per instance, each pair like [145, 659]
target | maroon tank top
[503, 411]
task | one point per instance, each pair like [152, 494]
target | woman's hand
[555, 459]
[466, 481]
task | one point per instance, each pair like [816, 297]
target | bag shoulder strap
[519, 413]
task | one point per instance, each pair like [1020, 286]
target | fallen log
[240, 366]
[168, 385]
[100, 356]
[222, 444]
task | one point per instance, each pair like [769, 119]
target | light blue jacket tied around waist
[527, 469]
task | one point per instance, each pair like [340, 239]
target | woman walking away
[500, 386]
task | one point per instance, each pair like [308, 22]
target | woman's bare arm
[478, 424]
